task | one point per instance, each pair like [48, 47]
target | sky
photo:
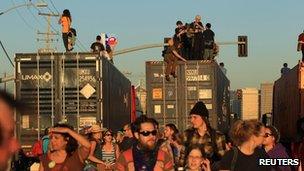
[272, 27]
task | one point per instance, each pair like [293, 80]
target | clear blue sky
[272, 27]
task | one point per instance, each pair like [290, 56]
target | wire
[23, 19]
[37, 20]
[54, 7]
[83, 47]
[6, 54]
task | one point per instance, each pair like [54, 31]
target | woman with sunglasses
[95, 157]
[110, 150]
[273, 148]
[247, 136]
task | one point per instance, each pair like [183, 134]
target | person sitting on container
[285, 69]
[202, 133]
[65, 153]
[272, 146]
[247, 136]
[171, 57]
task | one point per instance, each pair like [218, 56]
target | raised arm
[91, 155]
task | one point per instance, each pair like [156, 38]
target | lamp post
[38, 5]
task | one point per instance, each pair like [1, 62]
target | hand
[59, 130]
[206, 165]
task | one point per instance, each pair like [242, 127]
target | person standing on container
[197, 45]
[208, 39]
[301, 44]
[65, 20]
[171, 58]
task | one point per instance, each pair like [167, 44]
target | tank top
[109, 156]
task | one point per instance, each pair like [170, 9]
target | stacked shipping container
[171, 102]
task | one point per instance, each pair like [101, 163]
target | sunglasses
[108, 134]
[147, 133]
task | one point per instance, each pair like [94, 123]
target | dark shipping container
[288, 102]
[79, 87]
[171, 102]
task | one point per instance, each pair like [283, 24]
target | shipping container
[171, 101]
[81, 88]
[288, 102]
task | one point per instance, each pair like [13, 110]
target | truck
[79, 88]
[171, 101]
[288, 102]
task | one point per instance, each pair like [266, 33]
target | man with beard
[9, 145]
[145, 154]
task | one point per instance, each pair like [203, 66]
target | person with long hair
[65, 154]
[170, 144]
[94, 136]
[196, 160]
[110, 150]
[65, 20]
[248, 137]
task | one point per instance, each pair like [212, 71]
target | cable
[18, 12]
[37, 20]
[7, 54]
[54, 7]
[84, 48]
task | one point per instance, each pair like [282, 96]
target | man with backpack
[145, 155]
[201, 133]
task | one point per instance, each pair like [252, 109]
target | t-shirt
[66, 24]
[208, 37]
[285, 70]
[244, 162]
[72, 162]
[97, 47]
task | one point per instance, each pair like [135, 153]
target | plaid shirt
[206, 141]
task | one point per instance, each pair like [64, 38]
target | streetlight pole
[22, 5]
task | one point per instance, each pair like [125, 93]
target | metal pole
[38, 96]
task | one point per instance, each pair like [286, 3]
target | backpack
[37, 149]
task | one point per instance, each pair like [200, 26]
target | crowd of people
[142, 146]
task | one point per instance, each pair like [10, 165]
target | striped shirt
[109, 156]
